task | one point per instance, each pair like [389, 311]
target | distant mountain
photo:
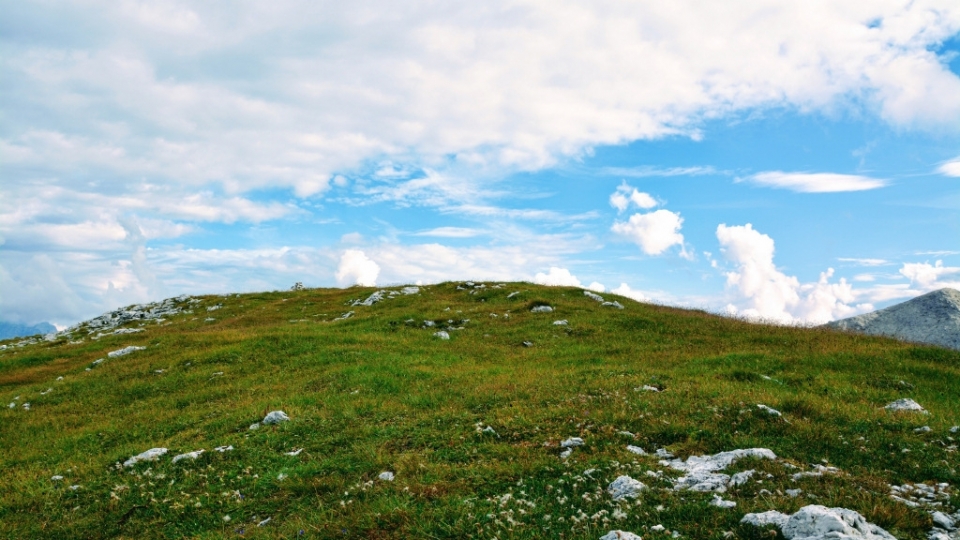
[11, 330]
[933, 318]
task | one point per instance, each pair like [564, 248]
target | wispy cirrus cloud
[950, 168]
[804, 182]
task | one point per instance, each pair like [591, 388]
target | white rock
[769, 410]
[561, 322]
[223, 449]
[263, 522]
[410, 290]
[627, 434]
[275, 417]
[542, 309]
[566, 453]
[658, 528]
[924, 429]
[741, 477]
[620, 535]
[905, 404]
[636, 450]
[815, 522]
[593, 296]
[124, 351]
[26, 406]
[75, 487]
[943, 520]
[254, 426]
[770, 517]
[701, 470]
[514, 293]
[281, 476]
[386, 476]
[625, 487]
[794, 492]
[60, 378]
[371, 300]
[189, 455]
[97, 362]
[441, 334]
[13, 405]
[56, 478]
[955, 429]
[646, 388]
[490, 430]
[152, 454]
[572, 442]
[615, 304]
[721, 503]
[294, 453]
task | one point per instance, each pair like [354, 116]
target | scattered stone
[490, 430]
[189, 455]
[386, 476]
[741, 477]
[254, 426]
[223, 449]
[528, 344]
[542, 309]
[566, 453]
[769, 410]
[627, 434]
[441, 334]
[47, 391]
[955, 429]
[905, 404]
[97, 362]
[943, 521]
[818, 470]
[514, 293]
[124, 351]
[625, 487]
[572, 442]
[371, 300]
[275, 417]
[13, 405]
[410, 290]
[152, 454]
[428, 324]
[615, 304]
[719, 502]
[636, 450]
[663, 453]
[209, 319]
[770, 517]
[794, 492]
[620, 535]
[561, 322]
[60, 378]
[26, 406]
[815, 522]
[701, 472]
[263, 522]
[294, 452]
[56, 478]
[658, 528]
[346, 315]
[924, 429]
[593, 296]
[75, 487]
[646, 388]
[214, 308]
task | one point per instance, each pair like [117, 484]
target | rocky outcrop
[933, 318]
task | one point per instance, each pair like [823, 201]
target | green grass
[376, 393]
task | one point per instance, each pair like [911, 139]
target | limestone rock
[932, 318]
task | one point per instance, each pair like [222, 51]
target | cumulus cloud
[816, 182]
[928, 277]
[625, 290]
[626, 195]
[557, 277]
[654, 232]
[596, 286]
[950, 168]
[357, 269]
[762, 291]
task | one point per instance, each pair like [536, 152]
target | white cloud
[816, 182]
[451, 232]
[557, 277]
[596, 287]
[625, 290]
[929, 277]
[357, 269]
[762, 291]
[625, 195]
[864, 262]
[648, 171]
[654, 232]
[950, 168]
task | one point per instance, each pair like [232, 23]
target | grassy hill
[378, 391]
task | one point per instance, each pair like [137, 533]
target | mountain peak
[932, 318]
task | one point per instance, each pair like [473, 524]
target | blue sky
[798, 162]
